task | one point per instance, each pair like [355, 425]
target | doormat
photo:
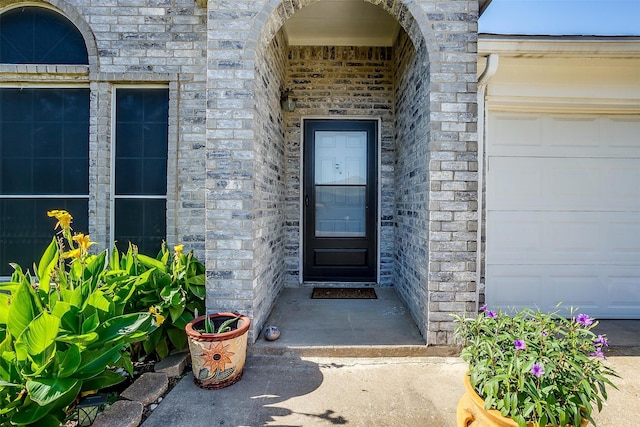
[344, 293]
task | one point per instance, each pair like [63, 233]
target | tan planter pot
[217, 360]
[471, 412]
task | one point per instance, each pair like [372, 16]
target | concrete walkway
[413, 391]
[304, 378]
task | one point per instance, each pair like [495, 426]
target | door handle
[306, 200]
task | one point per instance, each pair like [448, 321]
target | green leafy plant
[172, 287]
[61, 330]
[536, 368]
[226, 326]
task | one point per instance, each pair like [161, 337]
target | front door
[340, 200]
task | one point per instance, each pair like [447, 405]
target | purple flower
[519, 344]
[601, 342]
[483, 308]
[492, 314]
[598, 353]
[584, 319]
[537, 370]
[545, 333]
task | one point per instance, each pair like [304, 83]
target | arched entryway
[419, 88]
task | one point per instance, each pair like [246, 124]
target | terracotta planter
[217, 360]
[471, 412]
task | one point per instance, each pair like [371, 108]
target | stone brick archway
[426, 104]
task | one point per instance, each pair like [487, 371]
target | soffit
[345, 23]
[341, 23]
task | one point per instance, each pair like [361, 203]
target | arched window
[35, 35]
[44, 135]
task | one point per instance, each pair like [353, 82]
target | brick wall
[233, 178]
[144, 42]
[339, 82]
[270, 173]
[411, 268]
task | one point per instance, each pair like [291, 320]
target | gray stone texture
[147, 388]
[122, 413]
[233, 179]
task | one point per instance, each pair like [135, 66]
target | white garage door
[563, 212]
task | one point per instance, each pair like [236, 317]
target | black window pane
[73, 168]
[16, 97]
[26, 230]
[132, 136]
[154, 140]
[46, 107]
[48, 179]
[74, 136]
[49, 140]
[34, 35]
[156, 105]
[16, 138]
[154, 177]
[141, 222]
[141, 141]
[35, 149]
[129, 102]
[13, 175]
[128, 177]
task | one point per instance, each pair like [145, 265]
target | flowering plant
[536, 368]
[62, 330]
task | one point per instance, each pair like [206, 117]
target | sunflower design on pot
[218, 358]
[214, 360]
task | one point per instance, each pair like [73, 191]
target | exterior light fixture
[287, 101]
[88, 409]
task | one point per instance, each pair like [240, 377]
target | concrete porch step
[260, 349]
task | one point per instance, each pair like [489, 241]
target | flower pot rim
[243, 326]
[494, 413]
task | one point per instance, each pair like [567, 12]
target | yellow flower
[84, 241]
[64, 218]
[178, 249]
[159, 318]
[75, 253]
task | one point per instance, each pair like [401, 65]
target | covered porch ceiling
[345, 23]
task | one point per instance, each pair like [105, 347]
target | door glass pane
[340, 211]
[340, 183]
[341, 158]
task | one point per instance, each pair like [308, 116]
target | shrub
[61, 330]
[536, 367]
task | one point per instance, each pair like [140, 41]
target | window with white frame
[44, 135]
[141, 123]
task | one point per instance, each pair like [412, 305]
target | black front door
[340, 200]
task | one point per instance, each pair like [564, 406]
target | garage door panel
[623, 182]
[617, 129]
[516, 183]
[563, 135]
[571, 131]
[604, 292]
[542, 287]
[624, 290]
[563, 212]
[514, 236]
[622, 238]
[563, 237]
[515, 131]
